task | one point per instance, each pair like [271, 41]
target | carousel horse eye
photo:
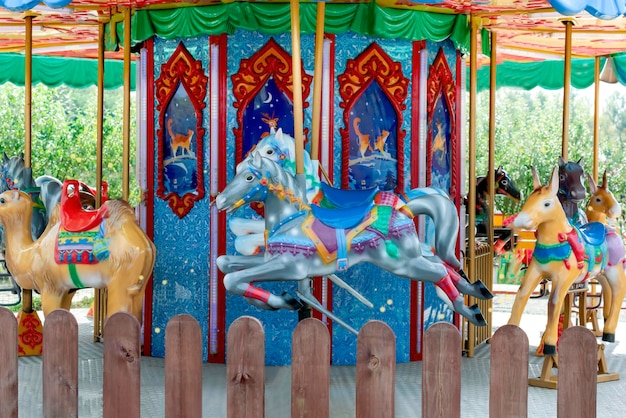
[2, 200]
[562, 177]
[249, 178]
[504, 182]
[547, 204]
[270, 152]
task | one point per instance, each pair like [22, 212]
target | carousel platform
[474, 389]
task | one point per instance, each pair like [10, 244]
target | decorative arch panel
[373, 89]
[263, 91]
[442, 142]
[180, 92]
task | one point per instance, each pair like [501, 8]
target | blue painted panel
[181, 272]
[278, 325]
[389, 294]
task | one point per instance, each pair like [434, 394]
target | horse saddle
[74, 217]
[342, 218]
[593, 233]
[347, 198]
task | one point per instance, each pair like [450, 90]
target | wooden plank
[183, 368]
[60, 365]
[577, 390]
[122, 367]
[441, 372]
[508, 382]
[245, 369]
[376, 371]
[8, 360]
[310, 370]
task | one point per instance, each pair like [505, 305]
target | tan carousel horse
[565, 255]
[80, 248]
[604, 208]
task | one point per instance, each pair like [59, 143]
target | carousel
[336, 129]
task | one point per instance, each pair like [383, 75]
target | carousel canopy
[528, 32]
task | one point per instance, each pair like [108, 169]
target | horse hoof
[484, 291]
[294, 303]
[608, 337]
[549, 350]
[479, 319]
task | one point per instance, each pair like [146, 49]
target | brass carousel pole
[317, 80]
[99, 294]
[296, 66]
[30, 329]
[471, 233]
[569, 23]
[126, 149]
[296, 71]
[596, 118]
[492, 137]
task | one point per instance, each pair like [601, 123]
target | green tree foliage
[529, 132]
[64, 132]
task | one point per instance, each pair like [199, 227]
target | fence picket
[122, 364]
[310, 370]
[245, 369]
[441, 372]
[8, 360]
[183, 368]
[60, 365]
[508, 381]
[375, 371]
[578, 373]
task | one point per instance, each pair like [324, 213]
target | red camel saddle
[74, 217]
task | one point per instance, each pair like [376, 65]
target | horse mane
[280, 175]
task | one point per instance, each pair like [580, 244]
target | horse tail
[436, 204]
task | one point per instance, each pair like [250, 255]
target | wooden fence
[310, 391]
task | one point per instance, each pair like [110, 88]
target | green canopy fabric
[272, 18]
[545, 74]
[54, 71]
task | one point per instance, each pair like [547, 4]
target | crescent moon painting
[269, 105]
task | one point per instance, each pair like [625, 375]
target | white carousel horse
[305, 241]
[565, 255]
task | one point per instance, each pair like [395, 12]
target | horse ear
[5, 157]
[22, 155]
[605, 183]
[579, 161]
[16, 194]
[593, 187]
[256, 159]
[279, 133]
[562, 162]
[536, 182]
[554, 181]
